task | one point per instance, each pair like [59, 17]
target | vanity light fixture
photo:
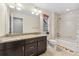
[11, 6]
[18, 4]
[36, 11]
[18, 8]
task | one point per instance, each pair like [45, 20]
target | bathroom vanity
[24, 45]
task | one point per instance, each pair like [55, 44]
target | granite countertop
[20, 37]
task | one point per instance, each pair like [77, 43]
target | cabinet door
[42, 45]
[14, 48]
[17, 51]
[31, 49]
[2, 50]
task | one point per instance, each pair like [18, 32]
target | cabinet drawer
[31, 49]
[42, 38]
[17, 51]
[14, 44]
[30, 40]
[31, 46]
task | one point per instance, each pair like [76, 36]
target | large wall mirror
[22, 20]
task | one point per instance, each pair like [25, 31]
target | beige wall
[3, 19]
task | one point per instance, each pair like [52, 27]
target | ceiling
[52, 7]
[58, 7]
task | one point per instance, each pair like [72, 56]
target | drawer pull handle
[32, 54]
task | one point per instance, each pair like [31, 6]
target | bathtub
[66, 43]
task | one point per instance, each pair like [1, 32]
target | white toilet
[52, 42]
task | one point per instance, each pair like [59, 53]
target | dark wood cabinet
[35, 46]
[25, 47]
[42, 45]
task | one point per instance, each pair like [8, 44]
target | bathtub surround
[51, 51]
[68, 25]
[62, 47]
